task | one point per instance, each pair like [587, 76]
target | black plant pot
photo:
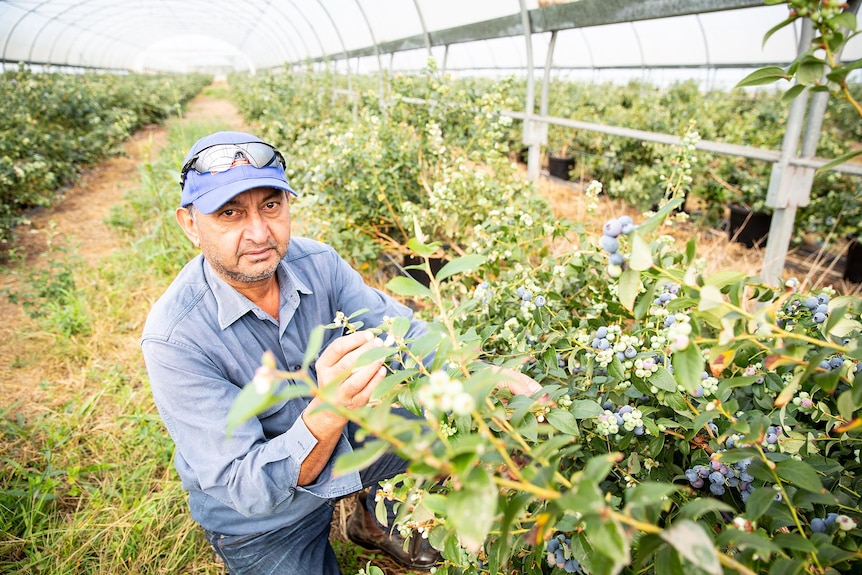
[419, 273]
[561, 166]
[747, 227]
[853, 262]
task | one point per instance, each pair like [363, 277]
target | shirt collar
[232, 305]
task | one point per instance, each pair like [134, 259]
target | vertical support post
[530, 136]
[789, 186]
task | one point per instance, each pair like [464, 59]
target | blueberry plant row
[53, 125]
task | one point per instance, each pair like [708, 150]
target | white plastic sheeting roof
[470, 35]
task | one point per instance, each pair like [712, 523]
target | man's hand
[519, 383]
[336, 366]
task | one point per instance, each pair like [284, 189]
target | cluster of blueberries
[819, 306]
[601, 341]
[822, 525]
[560, 554]
[610, 232]
[625, 417]
[720, 476]
[526, 295]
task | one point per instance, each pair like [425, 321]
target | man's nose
[256, 228]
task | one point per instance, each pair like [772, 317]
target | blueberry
[818, 525]
[609, 244]
[823, 298]
[612, 228]
[623, 220]
[616, 259]
[819, 317]
[811, 302]
[602, 332]
[628, 228]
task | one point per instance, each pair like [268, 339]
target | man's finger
[342, 346]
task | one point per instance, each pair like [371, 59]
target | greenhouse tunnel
[713, 42]
[467, 287]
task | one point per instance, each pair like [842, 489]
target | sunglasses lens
[226, 156]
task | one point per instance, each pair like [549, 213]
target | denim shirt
[202, 343]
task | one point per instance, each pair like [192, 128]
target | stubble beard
[235, 275]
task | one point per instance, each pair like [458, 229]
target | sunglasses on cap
[222, 157]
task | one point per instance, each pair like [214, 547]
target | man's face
[245, 239]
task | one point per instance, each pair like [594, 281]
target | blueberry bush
[689, 421]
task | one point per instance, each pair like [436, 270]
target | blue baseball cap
[211, 188]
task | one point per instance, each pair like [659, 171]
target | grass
[87, 483]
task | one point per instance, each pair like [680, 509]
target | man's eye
[228, 213]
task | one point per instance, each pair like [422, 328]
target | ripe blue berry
[609, 244]
[612, 228]
[819, 317]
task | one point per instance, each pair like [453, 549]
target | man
[265, 495]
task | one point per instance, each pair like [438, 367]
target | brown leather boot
[363, 530]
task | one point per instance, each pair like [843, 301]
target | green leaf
[422, 250]
[598, 467]
[391, 381]
[810, 70]
[792, 93]
[800, 474]
[375, 354]
[629, 285]
[794, 541]
[459, 265]
[767, 75]
[585, 408]
[845, 20]
[655, 220]
[641, 258]
[662, 379]
[699, 507]
[758, 502]
[775, 28]
[315, 342]
[688, 367]
[710, 298]
[694, 543]
[611, 546]
[647, 494]
[472, 509]
[361, 457]
[724, 278]
[408, 287]
[564, 421]
[784, 566]
[249, 403]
